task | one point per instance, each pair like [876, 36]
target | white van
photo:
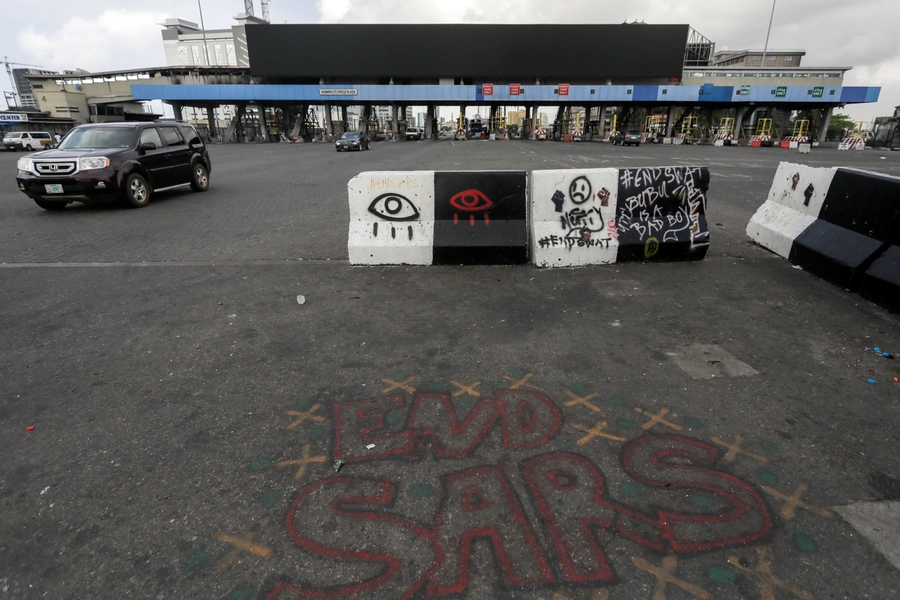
[27, 140]
[413, 133]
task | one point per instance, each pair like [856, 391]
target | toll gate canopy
[407, 54]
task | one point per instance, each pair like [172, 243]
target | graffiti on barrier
[663, 204]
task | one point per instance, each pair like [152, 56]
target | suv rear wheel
[137, 191]
[199, 178]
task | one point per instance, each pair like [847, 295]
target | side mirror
[148, 146]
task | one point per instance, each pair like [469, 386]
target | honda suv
[106, 161]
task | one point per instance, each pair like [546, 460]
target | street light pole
[767, 34]
[203, 29]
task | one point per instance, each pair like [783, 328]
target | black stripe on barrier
[480, 217]
[853, 229]
[661, 213]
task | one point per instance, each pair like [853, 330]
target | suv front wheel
[199, 178]
[137, 191]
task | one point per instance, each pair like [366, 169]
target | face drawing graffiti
[580, 190]
[393, 207]
[472, 202]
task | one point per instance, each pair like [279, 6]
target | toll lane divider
[840, 224]
[563, 218]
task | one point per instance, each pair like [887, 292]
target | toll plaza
[595, 79]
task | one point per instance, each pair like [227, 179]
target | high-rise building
[184, 41]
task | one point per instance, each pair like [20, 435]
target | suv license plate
[53, 188]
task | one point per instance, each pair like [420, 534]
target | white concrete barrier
[573, 217]
[391, 218]
[793, 204]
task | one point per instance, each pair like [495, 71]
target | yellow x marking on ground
[393, 385]
[666, 575]
[302, 461]
[792, 502]
[734, 448]
[304, 415]
[579, 400]
[596, 431]
[657, 418]
[466, 389]
[244, 543]
[517, 383]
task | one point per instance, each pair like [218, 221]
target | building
[23, 85]
[186, 44]
[774, 59]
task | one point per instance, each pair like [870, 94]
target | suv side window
[190, 134]
[171, 136]
[151, 135]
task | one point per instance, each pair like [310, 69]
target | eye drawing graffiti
[471, 201]
[580, 190]
[393, 207]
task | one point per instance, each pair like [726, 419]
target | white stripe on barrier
[573, 217]
[794, 202]
[391, 218]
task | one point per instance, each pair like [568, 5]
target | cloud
[115, 38]
[333, 11]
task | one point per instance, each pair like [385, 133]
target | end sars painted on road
[546, 519]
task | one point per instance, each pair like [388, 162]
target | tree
[839, 125]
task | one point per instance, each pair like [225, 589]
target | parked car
[106, 161]
[27, 140]
[352, 140]
[413, 133]
[627, 138]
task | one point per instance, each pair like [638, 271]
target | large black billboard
[499, 52]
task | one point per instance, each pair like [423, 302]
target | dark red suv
[106, 161]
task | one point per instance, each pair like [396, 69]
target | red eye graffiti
[471, 201]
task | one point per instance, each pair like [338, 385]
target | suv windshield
[97, 139]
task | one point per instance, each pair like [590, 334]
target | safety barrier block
[854, 227]
[793, 204]
[391, 218]
[881, 281]
[481, 217]
[573, 217]
[661, 213]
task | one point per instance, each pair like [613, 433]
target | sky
[106, 36]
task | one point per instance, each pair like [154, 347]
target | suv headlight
[24, 164]
[86, 163]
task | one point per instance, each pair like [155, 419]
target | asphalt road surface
[659, 430]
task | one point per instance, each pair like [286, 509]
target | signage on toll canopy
[564, 89]
[487, 89]
[515, 89]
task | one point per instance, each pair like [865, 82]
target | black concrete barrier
[480, 217]
[858, 218]
[881, 281]
[661, 213]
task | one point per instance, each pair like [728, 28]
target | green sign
[781, 91]
[818, 92]
[745, 90]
